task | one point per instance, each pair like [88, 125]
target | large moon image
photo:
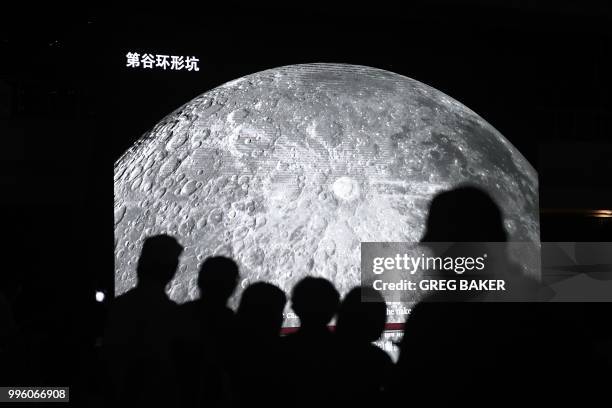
[288, 170]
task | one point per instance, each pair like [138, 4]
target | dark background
[69, 108]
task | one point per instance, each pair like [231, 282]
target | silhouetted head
[464, 214]
[362, 315]
[217, 278]
[261, 310]
[158, 260]
[315, 301]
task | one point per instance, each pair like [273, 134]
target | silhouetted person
[464, 214]
[256, 367]
[364, 369]
[142, 328]
[468, 219]
[217, 280]
[310, 352]
[260, 313]
[470, 349]
[208, 324]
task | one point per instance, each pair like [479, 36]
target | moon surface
[288, 170]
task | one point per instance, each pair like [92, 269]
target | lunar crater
[288, 170]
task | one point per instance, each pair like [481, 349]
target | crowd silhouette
[454, 351]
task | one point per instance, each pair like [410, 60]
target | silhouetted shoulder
[188, 309]
[142, 299]
[379, 357]
[138, 314]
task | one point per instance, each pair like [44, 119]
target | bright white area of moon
[288, 170]
[346, 188]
